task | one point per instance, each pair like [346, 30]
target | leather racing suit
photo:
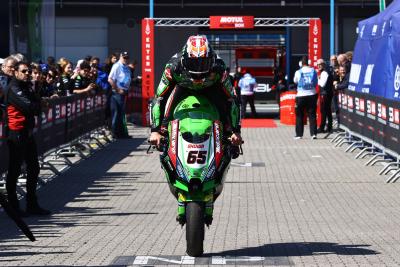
[176, 83]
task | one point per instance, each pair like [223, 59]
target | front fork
[208, 209]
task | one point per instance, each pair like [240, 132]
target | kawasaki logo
[231, 20]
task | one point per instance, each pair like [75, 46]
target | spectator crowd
[25, 90]
[60, 78]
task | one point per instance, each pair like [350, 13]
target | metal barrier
[71, 126]
[62, 130]
[368, 147]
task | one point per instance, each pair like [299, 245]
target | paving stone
[289, 202]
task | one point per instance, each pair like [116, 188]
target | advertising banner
[376, 118]
[231, 22]
[32, 28]
[315, 52]
[50, 131]
[65, 119]
[314, 42]
[393, 84]
[370, 107]
[147, 66]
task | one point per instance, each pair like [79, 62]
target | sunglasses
[25, 71]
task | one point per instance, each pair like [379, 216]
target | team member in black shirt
[66, 81]
[325, 82]
[82, 82]
[23, 104]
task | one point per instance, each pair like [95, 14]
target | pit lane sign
[314, 41]
[231, 22]
[147, 65]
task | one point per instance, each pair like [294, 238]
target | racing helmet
[198, 57]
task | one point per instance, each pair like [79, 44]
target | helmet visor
[198, 65]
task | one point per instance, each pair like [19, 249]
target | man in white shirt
[120, 81]
[247, 85]
[306, 98]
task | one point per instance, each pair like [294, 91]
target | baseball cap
[124, 54]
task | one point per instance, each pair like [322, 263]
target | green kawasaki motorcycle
[196, 157]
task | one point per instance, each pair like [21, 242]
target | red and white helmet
[197, 56]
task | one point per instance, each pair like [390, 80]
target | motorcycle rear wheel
[194, 228]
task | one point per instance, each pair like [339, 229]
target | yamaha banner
[371, 105]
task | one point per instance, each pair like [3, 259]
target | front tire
[194, 228]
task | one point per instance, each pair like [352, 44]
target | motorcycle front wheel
[194, 228]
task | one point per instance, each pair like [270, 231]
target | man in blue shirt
[306, 79]
[120, 81]
[247, 85]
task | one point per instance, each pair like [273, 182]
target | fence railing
[371, 124]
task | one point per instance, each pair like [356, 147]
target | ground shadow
[298, 249]
[83, 182]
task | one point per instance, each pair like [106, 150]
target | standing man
[22, 106]
[6, 73]
[120, 81]
[343, 60]
[339, 86]
[306, 98]
[247, 85]
[325, 83]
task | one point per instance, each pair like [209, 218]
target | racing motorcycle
[196, 157]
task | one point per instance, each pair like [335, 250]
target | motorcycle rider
[196, 69]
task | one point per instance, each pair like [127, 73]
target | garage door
[77, 37]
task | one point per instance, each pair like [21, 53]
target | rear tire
[194, 228]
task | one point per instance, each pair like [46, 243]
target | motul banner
[231, 22]
[314, 41]
[147, 66]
